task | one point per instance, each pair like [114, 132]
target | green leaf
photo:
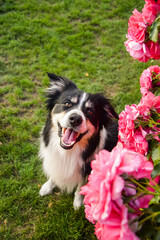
[153, 32]
[156, 155]
[155, 200]
[156, 171]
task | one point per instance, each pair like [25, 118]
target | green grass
[69, 38]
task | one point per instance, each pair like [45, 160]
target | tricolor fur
[78, 125]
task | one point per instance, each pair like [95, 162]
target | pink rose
[150, 11]
[138, 44]
[104, 185]
[88, 214]
[99, 230]
[126, 122]
[131, 137]
[98, 191]
[146, 81]
[145, 104]
[137, 144]
[138, 50]
[155, 69]
[148, 102]
[142, 202]
[134, 164]
[152, 1]
[156, 103]
[140, 143]
[137, 27]
[116, 227]
[154, 49]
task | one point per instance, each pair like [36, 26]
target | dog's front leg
[47, 187]
[78, 198]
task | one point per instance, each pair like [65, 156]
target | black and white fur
[78, 125]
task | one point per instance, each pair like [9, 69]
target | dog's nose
[75, 120]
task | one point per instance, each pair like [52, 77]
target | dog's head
[75, 114]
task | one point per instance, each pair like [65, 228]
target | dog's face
[76, 115]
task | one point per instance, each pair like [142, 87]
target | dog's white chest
[62, 166]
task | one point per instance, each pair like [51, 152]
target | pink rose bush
[134, 123]
[143, 32]
[124, 182]
[106, 186]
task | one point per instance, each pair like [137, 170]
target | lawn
[82, 40]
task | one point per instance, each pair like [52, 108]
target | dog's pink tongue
[69, 136]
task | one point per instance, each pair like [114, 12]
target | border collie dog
[78, 126]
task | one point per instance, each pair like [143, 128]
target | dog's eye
[90, 111]
[68, 104]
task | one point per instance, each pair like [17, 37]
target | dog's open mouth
[68, 137]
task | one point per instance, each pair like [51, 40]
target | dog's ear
[109, 115]
[110, 110]
[57, 86]
[58, 83]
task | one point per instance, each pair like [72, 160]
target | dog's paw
[46, 189]
[77, 203]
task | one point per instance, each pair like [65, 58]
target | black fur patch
[46, 130]
[102, 109]
[89, 151]
[112, 136]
